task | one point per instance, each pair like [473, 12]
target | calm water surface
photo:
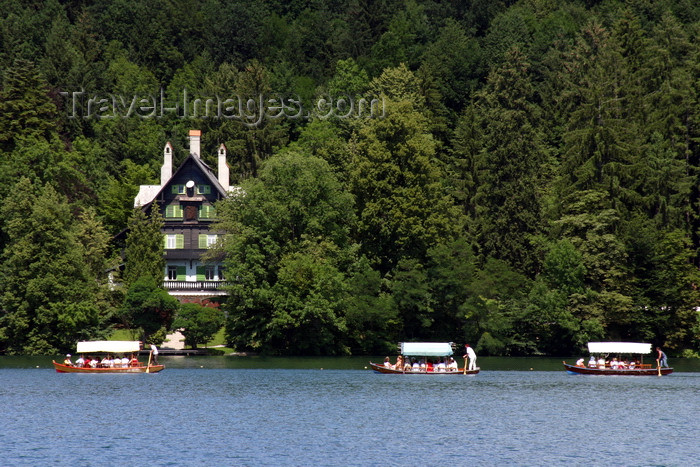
[221, 411]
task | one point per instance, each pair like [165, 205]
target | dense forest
[529, 182]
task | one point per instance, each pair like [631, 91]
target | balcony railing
[193, 285]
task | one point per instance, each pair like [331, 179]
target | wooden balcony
[193, 285]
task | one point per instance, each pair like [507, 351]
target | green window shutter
[203, 189]
[165, 241]
[181, 273]
[175, 189]
[179, 241]
[207, 211]
[202, 240]
[200, 273]
[174, 210]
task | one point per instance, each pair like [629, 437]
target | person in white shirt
[592, 363]
[579, 362]
[125, 362]
[387, 363]
[80, 362]
[471, 355]
[452, 365]
[441, 366]
[601, 363]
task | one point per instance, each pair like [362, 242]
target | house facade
[185, 199]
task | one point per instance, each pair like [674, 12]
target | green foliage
[50, 292]
[532, 183]
[288, 248]
[144, 246]
[402, 205]
[198, 323]
[148, 307]
[25, 107]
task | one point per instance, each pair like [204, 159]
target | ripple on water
[344, 417]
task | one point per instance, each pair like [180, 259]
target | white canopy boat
[92, 348]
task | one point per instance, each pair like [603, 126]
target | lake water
[220, 411]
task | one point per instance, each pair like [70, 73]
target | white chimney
[195, 139]
[223, 168]
[166, 171]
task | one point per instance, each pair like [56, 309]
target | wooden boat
[604, 349]
[423, 350]
[109, 347]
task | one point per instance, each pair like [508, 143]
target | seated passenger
[106, 362]
[452, 365]
[80, 362]
[134, 361]
[632, 364]
[592, 363]
[387, 363]
[614, 364]
[429, 367]
[125, 362]
[399, 363]
[579, 362]
[67, 360]
[601, 363]
[441, 366]
[415, 366]
[94, 363]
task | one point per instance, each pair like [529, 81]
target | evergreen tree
[49, 292]
[143, 256]
[403, 208]
[511, 171]
[25, 107]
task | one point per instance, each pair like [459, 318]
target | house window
[206, 273]
[207, 240]
[203, 189]
[207, 211]
[174, 241]
[178, 189]
[209, 273]
[221, 273]
[173, 211]
[172, 273]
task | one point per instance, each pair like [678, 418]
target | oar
[658, 366]
[465, 366]
[148, 367]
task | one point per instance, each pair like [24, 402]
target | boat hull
[61, 368]
[382, 369]
[578, 370]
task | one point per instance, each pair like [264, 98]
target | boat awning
[426, 349]
[619, 347]
[108, 346]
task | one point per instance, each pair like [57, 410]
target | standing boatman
[471, 355]
[661, 358]
[154, 350]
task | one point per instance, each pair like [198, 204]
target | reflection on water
[224, 411]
